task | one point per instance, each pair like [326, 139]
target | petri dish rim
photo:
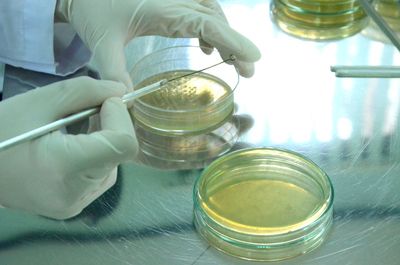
[267, 246]
[316, 12]
[310, 219]
[325, 2]
[349, 12]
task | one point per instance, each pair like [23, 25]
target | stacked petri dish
[319, 19]
[189, 122]
[389, 10]
[263, 204]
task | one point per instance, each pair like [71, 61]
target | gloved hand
[57, 175]
[105, 26]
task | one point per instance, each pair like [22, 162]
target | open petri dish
[189, 122]
[319, 20]
[263, 204]
[190, 104]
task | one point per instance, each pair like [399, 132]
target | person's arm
[31, 40]
[57, 175]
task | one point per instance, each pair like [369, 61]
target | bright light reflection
[396, 60]
[344, 128]
[324, 132]
[368, 120]
[347, 84]
[375, 53]
[279, 132]
[283, 110]
[353, 49]
[392, 109]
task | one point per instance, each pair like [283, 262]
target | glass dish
[190, 105]
[319, 20]
[389, 10]
[188, 123]
[263, 204]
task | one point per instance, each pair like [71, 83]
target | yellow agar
[191, 103]
[261, 205]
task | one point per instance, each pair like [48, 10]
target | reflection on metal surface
[392, 110]
[104, 206]
[190, 152]
[368, 110]
[345, 128]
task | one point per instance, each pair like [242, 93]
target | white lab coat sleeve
[30, 39]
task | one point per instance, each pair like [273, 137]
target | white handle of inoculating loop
[58, 124]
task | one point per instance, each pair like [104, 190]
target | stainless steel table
[350, 127]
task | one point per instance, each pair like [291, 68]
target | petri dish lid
[263, 204]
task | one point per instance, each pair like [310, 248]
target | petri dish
[319, 20]
[190, 121]
[192, 104]
[263, 204]
[389, 10]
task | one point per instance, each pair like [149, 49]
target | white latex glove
[57, 175]
[106, 26]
